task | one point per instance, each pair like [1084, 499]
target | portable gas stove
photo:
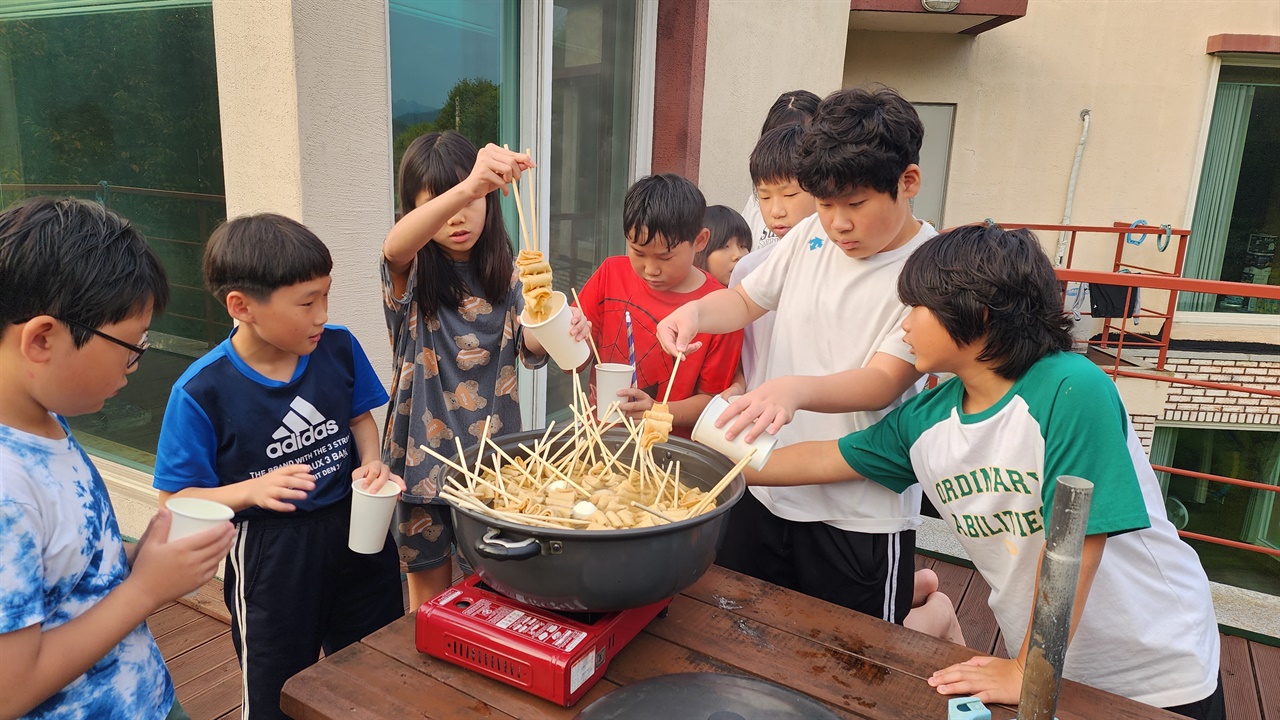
[556, 656]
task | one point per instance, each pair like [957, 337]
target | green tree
[471, 108]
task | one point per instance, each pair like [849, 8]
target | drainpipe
[1064, 238]
[1055, 597]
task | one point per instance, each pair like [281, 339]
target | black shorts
[868, 572]
[424, 535]
[294, 588]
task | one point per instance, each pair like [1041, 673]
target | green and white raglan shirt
[1148, 631]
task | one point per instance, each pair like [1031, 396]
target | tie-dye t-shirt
[61, 552]
[452, 372]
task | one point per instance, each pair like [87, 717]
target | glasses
[137, 350]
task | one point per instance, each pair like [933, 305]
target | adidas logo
[303, 426]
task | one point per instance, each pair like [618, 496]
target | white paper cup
[371, 517]
[554, 335]
[195, 515]
[610, 378]
[706, 432]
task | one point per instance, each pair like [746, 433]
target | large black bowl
[599, 570]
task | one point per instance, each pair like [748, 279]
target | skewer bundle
[535, 271]
[576, 482]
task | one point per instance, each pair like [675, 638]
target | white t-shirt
[1148, 630]
[834, 313]
[757, 335]
[61, 552]
[761, 235]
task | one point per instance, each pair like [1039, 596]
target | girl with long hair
[452, 301]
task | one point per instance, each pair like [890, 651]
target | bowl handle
[495, 548]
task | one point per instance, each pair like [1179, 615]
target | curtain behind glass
[1163, 443]
[1217, 194]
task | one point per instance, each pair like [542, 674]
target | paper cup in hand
[706, 432]
[610, 378]
[195, 515]
[554, 335]
[371, 517]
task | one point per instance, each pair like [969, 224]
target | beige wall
[1140, 67]
[756, 50]
[304, 99]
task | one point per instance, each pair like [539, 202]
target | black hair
[791, 107]
[259, 254]
[985, 283]
[666, 205]
[76, 261]
[436, 162]
[774, 157]
[859, 138]
[724, 223]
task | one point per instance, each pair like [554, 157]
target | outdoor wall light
[939, 5]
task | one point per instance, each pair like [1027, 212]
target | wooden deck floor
[194, 637]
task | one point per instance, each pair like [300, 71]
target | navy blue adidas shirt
[226, 422]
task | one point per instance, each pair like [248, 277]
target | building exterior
[179, 113]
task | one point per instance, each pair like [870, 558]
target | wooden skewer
[524, 231]
[595, 352]
[533, 206]
[549, 522]
[724, 482]
[465, 472]
[563, 477]
[484, 435]
[651, 511]
[672, 381]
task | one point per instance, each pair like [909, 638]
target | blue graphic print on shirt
[61, 551]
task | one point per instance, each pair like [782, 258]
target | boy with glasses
[78, 288]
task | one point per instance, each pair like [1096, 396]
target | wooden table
[859, 666]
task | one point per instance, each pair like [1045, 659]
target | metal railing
[1117, 337]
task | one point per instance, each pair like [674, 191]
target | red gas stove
[556, 656]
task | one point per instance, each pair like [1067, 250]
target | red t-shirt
[615, 290]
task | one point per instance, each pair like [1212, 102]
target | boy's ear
[38, 338]
[700, 242]
[909, 182]
[240, 306]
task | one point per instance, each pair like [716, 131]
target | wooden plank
[196, 633]
[823, 622]
[829, 674]
[397, 641]
[916, 654]
[1000, 650]
[172, 617]
[214, 677]
[217, 700]
[976, 619]
[360, 682]
[1266, 668]
[953, 580]
[201, 659]
[650, 656]
[208, 600]
[1238, 683]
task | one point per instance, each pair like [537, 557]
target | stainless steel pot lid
[705, 696]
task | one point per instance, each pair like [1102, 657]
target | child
[987, 306]
[729, 242]
[784, 203]
[78, 288]
[662, 216]
[275, 422]
[794, 107]
[452, 301]
[832, 283]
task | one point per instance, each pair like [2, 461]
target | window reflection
[121, 107]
